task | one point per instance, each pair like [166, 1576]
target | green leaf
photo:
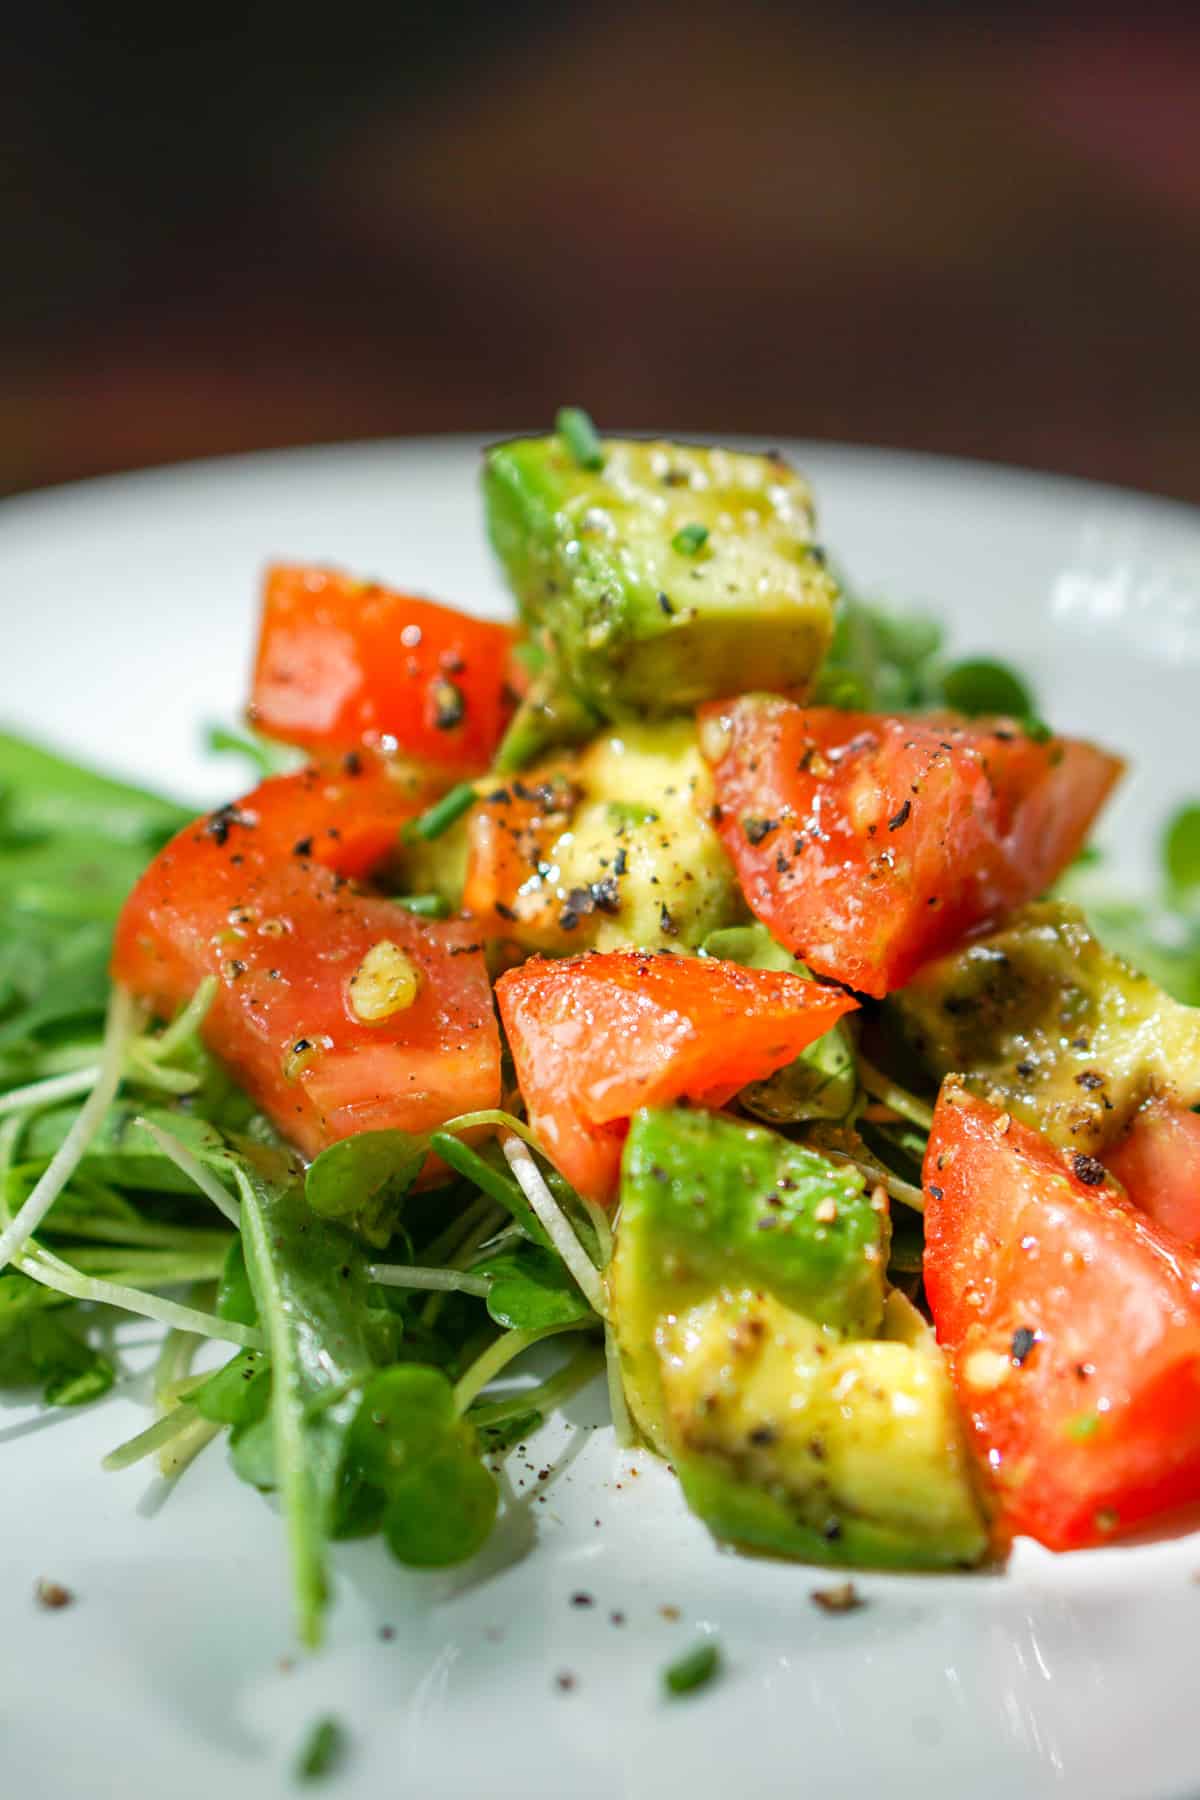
[531, 1288]
[235, 1297]
[309, 1280]
[409, 1444]
[122, 1153]
[442, 1511]
[363, 1180]
[72, 1371]
[237, 1394]
[48, 793]
[695, 1670]
[979, 686]
[1181, 851]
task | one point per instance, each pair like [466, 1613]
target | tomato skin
[1072, 1325]
[595, 1037]
[273, 916]
[870, 843]
[1158, 1164]
[344, 663]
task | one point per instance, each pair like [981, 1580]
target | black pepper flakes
[935, 1193]
[1089, 1079]
[302, 847]
[1023, 1340]
[1088, 1169]
[620, 861]
[582, 1599]
[755, 830]
[666, 922]
[665, 605]
[900, 818]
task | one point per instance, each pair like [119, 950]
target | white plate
[127, 610]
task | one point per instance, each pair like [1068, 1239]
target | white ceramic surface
[126, 613]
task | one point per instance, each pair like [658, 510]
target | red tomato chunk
[344, 663]
[1072, 1324]
[595, 1037]
[1158, 1164]
[868, 844]
[337, 1011]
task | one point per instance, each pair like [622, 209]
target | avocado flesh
[806, 1415]
[1041, 1019]
[789, 1441]
[708, 1203]
[629, 623]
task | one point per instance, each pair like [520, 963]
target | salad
[693, 970]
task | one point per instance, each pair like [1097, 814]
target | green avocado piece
[669, 576]
[707, 1203]
[791, 1442]
[1041, 1019]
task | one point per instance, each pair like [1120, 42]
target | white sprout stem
[554, 1223]
[618, 1405]
[899, 1099]
[186, 1445]
[145, 1073]
[146, 1442]
[181, 1028]
[497, 1356]
[173, 1364]
[448, 1281]
[195, 1170]
[119, 1029]
[52, 1272]
[45, 1093]
[881, 1177]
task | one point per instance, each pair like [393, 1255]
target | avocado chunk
[709, 1203]
[610, 847]
[789, 1441]
[1041, 1019]
[669, 576]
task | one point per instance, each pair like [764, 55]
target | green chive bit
[425, 906]
[695, 1670]
[689, 539]
[443, 813]
[322, 1751]
[575, 428]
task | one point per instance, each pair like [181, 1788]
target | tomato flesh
[596, 1037]
[1158, 1164]
[344, 663]
[1072, 1325]
[240, 895]
[870, 843]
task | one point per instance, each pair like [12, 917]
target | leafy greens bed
[371, 1273]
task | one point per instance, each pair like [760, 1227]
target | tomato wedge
[870, 843]
[336, 1011]
[344, 663]
[596, 1037]
[1158, 1164]
[1072, 1324]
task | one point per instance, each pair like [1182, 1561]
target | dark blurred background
[971, 229]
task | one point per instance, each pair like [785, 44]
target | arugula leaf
[980, 686]
[44, 793]
[409, 1443]
[309, 1281]
[531, 1288]
[237, 1394]
[363, 1180]
[123, 1153]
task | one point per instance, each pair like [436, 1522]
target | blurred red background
[970, 230]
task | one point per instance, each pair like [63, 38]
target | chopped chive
[575, 428]
[425, 906]
[695, 1670]
[690, 538]
[443, 813]
[322, 1750]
